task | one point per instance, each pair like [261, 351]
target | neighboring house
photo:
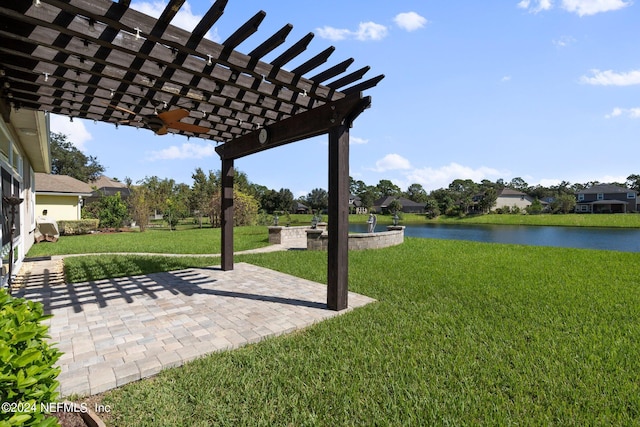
[61, 196]
[24, 150]
[299, 208]
[408, 206]
[607, 198]
[105, 186]
[508, 198]
[355, 205]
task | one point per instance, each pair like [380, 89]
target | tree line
[176, 201]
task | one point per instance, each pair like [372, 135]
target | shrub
[27, 372]
[114, 211]
[83, 226]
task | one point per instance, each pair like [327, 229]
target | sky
[544, 90]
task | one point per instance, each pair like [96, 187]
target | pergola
[102, 61]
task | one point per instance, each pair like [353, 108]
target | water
[617, 239]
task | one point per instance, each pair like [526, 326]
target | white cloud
[633, 113]
[366, 31]
[434, 178]
[356, 140]
[591, 7]
[579, 7]
[76, 132]
[505, 78]
[564, 41]
[187, 150]
[410, 21]
[392, 162]
[184, 19]
[537, 6]
[611, 78]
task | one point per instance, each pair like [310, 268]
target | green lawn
[187, 241]
[463, 333]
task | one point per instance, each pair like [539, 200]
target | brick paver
[116, 331]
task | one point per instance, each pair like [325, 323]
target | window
[580, 197]
[600, 196]
[631, 195]
[584, 208]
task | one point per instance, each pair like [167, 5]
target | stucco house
[24, 151]
[508, 198]
[61, 196]
[607, 198]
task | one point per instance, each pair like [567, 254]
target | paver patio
[120, 330]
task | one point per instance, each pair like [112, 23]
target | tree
[633, 182]
[394, 206]
[245, 209]
[66, 159]
[431, 208]
[318, 199]
[488, 200]
[564, 203]
[417, 193]
[534, 208]
[519, 184]
[112, 211]
[202, 191]
[139, 205]
[388, 188]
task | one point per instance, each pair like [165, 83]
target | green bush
[27, 373]
[83, 226]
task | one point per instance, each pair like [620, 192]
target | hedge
[83, 226]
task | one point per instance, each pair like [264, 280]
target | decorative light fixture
[46, 77]
[137, 30]
[304, 93]
[92, 25]
[71, 119]
[37, 3]
[111, 94]
[209, 61]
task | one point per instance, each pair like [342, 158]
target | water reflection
[617, 239]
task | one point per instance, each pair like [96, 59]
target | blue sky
[546, 90]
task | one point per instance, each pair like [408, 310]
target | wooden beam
[338, 245]
[227, 215]
[301, 126]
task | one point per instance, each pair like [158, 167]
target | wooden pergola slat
[102, 60]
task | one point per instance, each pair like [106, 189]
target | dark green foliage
[27, 372]
[112, 211]
[66, 159]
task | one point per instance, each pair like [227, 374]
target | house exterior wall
[59, 207]
[585, 200]
[17, 180]
[510, 201]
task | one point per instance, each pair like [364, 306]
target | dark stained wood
[101, 60]
[272, 42]
[227, 215]
[301, 126]
[338, 245]
[243, 33]
[314, 62]
[295, 50]
[333, 71]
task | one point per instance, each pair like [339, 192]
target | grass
[187, 241]
[462, 333]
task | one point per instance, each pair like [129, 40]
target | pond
[617, 239]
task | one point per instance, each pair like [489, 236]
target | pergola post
[338, 224]
[227, 215]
